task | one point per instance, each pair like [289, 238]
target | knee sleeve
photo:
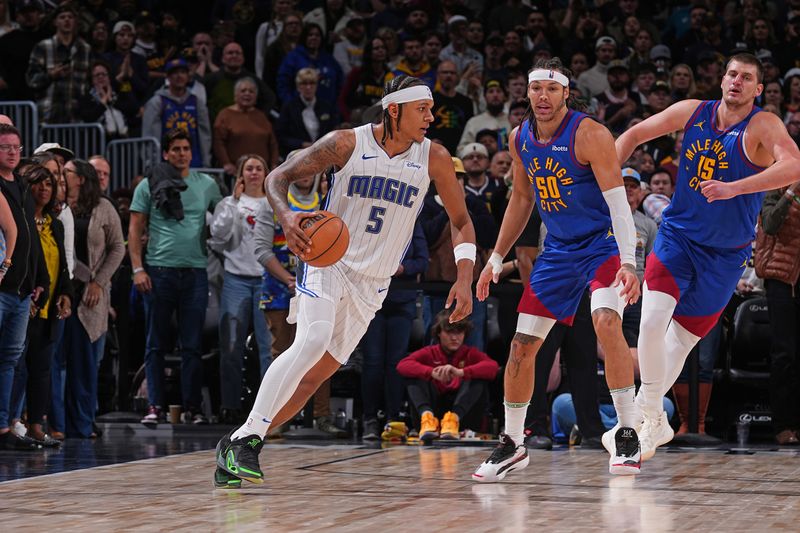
[536, 326]
[608, 298]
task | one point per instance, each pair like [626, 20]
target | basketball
[329, 238]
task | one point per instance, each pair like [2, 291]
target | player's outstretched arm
[672, 119]
[440, 168]
[332, 150]
[595, 146]
[774, 141]
[518, 211]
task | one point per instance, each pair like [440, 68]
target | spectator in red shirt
[448, 377]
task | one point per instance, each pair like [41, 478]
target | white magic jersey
[379, 198]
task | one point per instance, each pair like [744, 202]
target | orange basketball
[329, 238]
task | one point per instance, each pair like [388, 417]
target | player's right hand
[296, 239]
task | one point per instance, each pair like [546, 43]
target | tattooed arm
[332, 150]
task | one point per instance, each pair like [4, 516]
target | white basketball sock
[315, 319]
[515, 421]
[657, 309]
[628, 414]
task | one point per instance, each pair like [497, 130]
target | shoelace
[501, 452]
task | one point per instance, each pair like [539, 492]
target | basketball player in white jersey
[381, 175]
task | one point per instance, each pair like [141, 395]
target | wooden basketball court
[350, 487]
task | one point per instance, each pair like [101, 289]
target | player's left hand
[626, 276]
[715, 190]
[461, 292]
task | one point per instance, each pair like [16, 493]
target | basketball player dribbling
[566, 164]
[382, 173]
[731, 152]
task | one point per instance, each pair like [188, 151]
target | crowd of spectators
[241, 84]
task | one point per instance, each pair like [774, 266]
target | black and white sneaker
[506, 457]
[623, 445]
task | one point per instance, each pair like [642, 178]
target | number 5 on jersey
[376, 219]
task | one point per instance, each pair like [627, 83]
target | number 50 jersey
[379, 198]
[569, 199]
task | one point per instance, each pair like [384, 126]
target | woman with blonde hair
[681, 82]
[232, 232]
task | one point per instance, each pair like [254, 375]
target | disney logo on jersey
[548, 180]
[709, 157]
[382, 188]
[411, 164]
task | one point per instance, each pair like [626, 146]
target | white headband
[548, 75]
[409, 94]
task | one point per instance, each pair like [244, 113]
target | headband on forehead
[409, 94]
[548, 75]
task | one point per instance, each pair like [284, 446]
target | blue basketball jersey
[710, 153]
[569, 199]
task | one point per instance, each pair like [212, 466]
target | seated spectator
[516, 113]
[364, 85]
[448, 380]
[174, 107]
[413, 63]
[43, 325]
[203, 47]
[386, 342]
[458, 51]
[681, 81]
[776, 256]
[220, 84]
[105, 106]
[451, 109]
[616, 105]
[475, 158]
[298, 129]
[595, 80]
[332, 18]
[103, 169]
[242, 129]
[98, 39]
[269, 32]
[309, 53]
[488, 138]
[660, 196]
[275, 52]
[233, 234]
[349, 51]
[494, 118]
[99, 250]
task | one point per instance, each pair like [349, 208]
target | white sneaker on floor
[506, 457]
[622, 443]
[655, 432]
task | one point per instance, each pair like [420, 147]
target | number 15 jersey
[566, 192]
[379, 198]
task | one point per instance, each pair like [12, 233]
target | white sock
[657, 309]
[314, 329]
[515, 421]
[257, 424]
[679, 342]
[628, 414]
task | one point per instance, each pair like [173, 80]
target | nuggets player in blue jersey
[381, 174]
[732, 151]
[565, 162]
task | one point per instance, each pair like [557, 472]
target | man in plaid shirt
[58, 70]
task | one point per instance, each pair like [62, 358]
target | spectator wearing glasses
[26, 275]
[104, 105]
[306, 117]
